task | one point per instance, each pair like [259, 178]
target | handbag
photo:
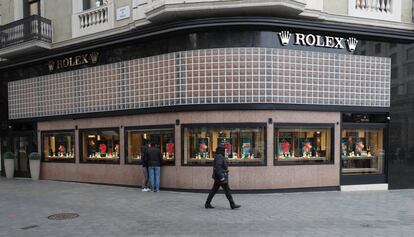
[226, 178]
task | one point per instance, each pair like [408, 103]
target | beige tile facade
[198, 177]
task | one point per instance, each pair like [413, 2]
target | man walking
[221, 178]
[154, 160]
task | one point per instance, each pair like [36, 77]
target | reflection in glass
[58, 146]
[100, 146]
[362, 151]
[243, 144]
[302, 144]
[138, 139]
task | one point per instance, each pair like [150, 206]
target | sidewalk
[119, 211]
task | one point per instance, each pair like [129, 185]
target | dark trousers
[214, 190]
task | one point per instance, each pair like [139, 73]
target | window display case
[245, 144]
[99, 146]
[362, 150]
[303, 143]
[137, 140]
[58, 146]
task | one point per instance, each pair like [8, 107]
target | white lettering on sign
[318, 40]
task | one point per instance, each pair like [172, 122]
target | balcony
[93, 20]
[385, 10]
[27, 35]
[161, 10]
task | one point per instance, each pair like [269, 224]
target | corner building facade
[298, 104]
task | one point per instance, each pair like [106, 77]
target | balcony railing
[388, 10]
[93, 20]
[31, 28]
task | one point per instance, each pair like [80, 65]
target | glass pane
[58, 146]
[362, 151]
[138, 139]
[243, 145]
[21, 153]
[303, 145]
[100, 146]
[34, 8]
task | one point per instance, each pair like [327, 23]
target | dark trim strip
[213, 107]
[97, 131]
[377, 33]
[236, 191]
[43, 133]
[229, 126]
[142, 128]
[329, 126]
[363, 179]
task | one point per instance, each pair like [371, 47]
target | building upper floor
[28, 26]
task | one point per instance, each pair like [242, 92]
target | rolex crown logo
[51, 65]
[352, 43]
[284, 37]
[94, 57]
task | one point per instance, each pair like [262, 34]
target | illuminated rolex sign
[87, 58]
[287, 38]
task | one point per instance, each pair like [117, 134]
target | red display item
[203, 147]
[170, 149]
[102, 148]
[307, 147]
[61, 148]
[285, 147]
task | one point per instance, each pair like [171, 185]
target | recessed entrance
[363, 150]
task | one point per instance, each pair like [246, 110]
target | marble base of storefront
[269, 175]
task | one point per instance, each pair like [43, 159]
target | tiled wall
[210, 76]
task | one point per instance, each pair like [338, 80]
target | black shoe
[234, 206]
[208, 205]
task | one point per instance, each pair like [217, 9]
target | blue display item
[227, 141]
[246, 147]
[307, 147]
[344, 146]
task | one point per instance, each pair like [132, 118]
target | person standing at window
[221, 178]
[154, 159]
[144, 163]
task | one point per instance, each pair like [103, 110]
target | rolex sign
[287, 38]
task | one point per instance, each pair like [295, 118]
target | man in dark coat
[154, 161]
[221, 178]
[144, 162]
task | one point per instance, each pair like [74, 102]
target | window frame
[148, 127]
[367, 125]
[103, 162]
[329, 126]
[45, 132]
[227, 125]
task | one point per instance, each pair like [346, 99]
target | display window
[137, 140]
[245, 144]
[58, 146]
[362, 150]
[99, 146]
[301, 144]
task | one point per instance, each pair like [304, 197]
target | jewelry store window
[303, 144]
[137, 140]
[58, 146]
[362, 150]
[99, 146]
[245, 143]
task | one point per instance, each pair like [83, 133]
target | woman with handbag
[221, 178]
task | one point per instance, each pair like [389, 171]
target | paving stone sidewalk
[121, 211]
